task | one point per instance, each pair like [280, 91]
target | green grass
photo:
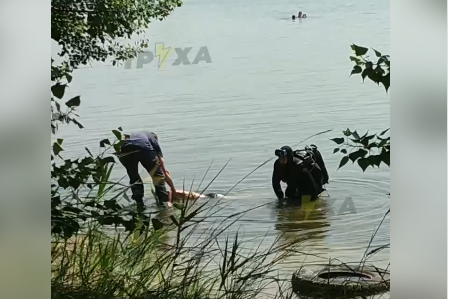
[97, 265]
[163, 264]
[186, 253]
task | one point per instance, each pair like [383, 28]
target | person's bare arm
[170, 182]
[167, 175]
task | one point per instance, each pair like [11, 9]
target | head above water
[285, 153]
[299, 14]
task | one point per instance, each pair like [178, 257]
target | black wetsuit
[298, 178]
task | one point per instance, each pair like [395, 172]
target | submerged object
[340, 280]
[191, 195]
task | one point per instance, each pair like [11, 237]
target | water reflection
[308, 219]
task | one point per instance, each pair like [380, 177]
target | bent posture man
[144, 147]
[291, 171]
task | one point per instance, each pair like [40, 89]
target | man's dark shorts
[131, 156]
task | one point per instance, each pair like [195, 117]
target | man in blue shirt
[144, 147]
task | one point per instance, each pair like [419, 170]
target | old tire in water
[340, 280]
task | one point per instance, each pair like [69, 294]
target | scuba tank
[308, 156]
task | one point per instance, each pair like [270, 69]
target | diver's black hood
[289, 152]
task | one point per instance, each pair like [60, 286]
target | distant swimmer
[300, 16]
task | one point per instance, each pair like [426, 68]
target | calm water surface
[271, 82]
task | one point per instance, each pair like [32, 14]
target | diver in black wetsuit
[296, 174]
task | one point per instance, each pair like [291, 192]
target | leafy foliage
[80, 187]
[88, 31]
[150, 265]
[369, 149]
[60, 78]
[378, 72]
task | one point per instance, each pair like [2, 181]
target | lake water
[271, 82]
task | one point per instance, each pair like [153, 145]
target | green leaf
[375, 160]
[379, 70]
[338, 140]
[58, 90]
[344, 151]
[104, 142]
[368, 138]
[336, 150]
[364, 141]
[58, 106]
[356, 135]
[110, 204]
[129, 225]
[343, 162]
[364, 135]
[375, 77]
[77, 123]
[355, 59]
[359, 51]
[356, 70]
[365, 73]
[157, 224]
[357, 154]
[107, 160]
[378, 54]
[381, 60]
[385, 131]
[383, 143]
[117, 134]
[68, 77]
[120, 129]
[372, 145]
[363, 163]
[173, 219]
[57, 149]
[107, 221]
[74, 102]
[385, 156]
[59, 141]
